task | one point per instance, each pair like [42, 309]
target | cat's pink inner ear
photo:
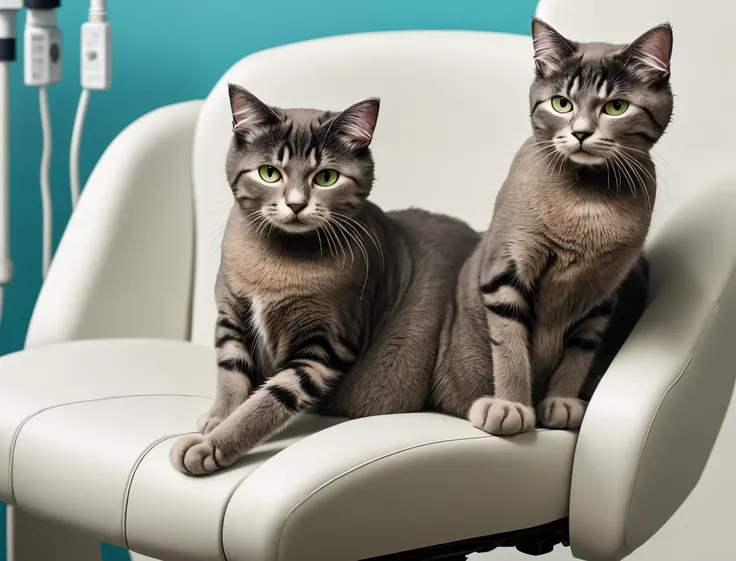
[356, 124]
[239, 107]
[248, 111]
[654, 50]
[550, 48]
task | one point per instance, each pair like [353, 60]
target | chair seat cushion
[85, 432]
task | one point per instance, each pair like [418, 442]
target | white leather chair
[119, 356]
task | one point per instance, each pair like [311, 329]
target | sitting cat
[323, 300]
[536, 298]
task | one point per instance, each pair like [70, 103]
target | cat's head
[297, 169]
[595, 103]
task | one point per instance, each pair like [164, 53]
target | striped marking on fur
[301, 384]
[511, 312]
[236, 364]
[284, 396]
[225, 323]
[318, 348]
[507, 297]
[234, 346]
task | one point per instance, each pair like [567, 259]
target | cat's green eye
[616, 107]
[326, 177]
[561, 104]
[269, 174]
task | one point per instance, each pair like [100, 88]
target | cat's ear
[650, 53]
[354, 126]
[550, 48]
[249, 112]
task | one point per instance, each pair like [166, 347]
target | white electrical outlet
[42, 49]
[96, 53]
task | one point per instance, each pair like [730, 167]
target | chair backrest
[454, 110]
[699, 145]
[447, 129]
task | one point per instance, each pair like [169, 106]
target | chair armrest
[124, 265]
[655, 416]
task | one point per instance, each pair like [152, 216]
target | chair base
[535, 541]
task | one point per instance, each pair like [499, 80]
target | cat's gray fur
[342, 309]
[357, 312]
[569, 224]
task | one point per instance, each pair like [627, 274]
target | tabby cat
[536, 298]
[323, 300]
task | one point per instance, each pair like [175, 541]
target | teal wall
[167, 51]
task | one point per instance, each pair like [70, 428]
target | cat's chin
[586, 159]
[295, 227]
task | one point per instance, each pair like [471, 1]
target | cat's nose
[582, 135]
[296, 207]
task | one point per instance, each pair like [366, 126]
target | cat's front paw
[501, 417]
[561, 412]
[208, 421]
[196, 454]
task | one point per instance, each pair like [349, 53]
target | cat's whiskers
[353, 222]
[352, 231]
[340, 229]
[608, 175]
[636, 167]
[639, 166]
[546, 145]
[319, 240]
[549, 166]
[360, 245]
[264, 223]
[333, 242]
[614, 169]
[559, 160]
[623, 167]
[328, 238]
[553, 153]
[254, 219]
[354, 234]
[633, 175]
[651, 154]
[563, 160]
[331, 224]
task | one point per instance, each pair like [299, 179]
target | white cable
[42, 67]
[76, 142]
[45, 180]
[98, 10]
[96, 74]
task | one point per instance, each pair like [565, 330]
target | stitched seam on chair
[364, 464]
[11, 460]
[694, 349]
[130, 482]
[224, 512]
